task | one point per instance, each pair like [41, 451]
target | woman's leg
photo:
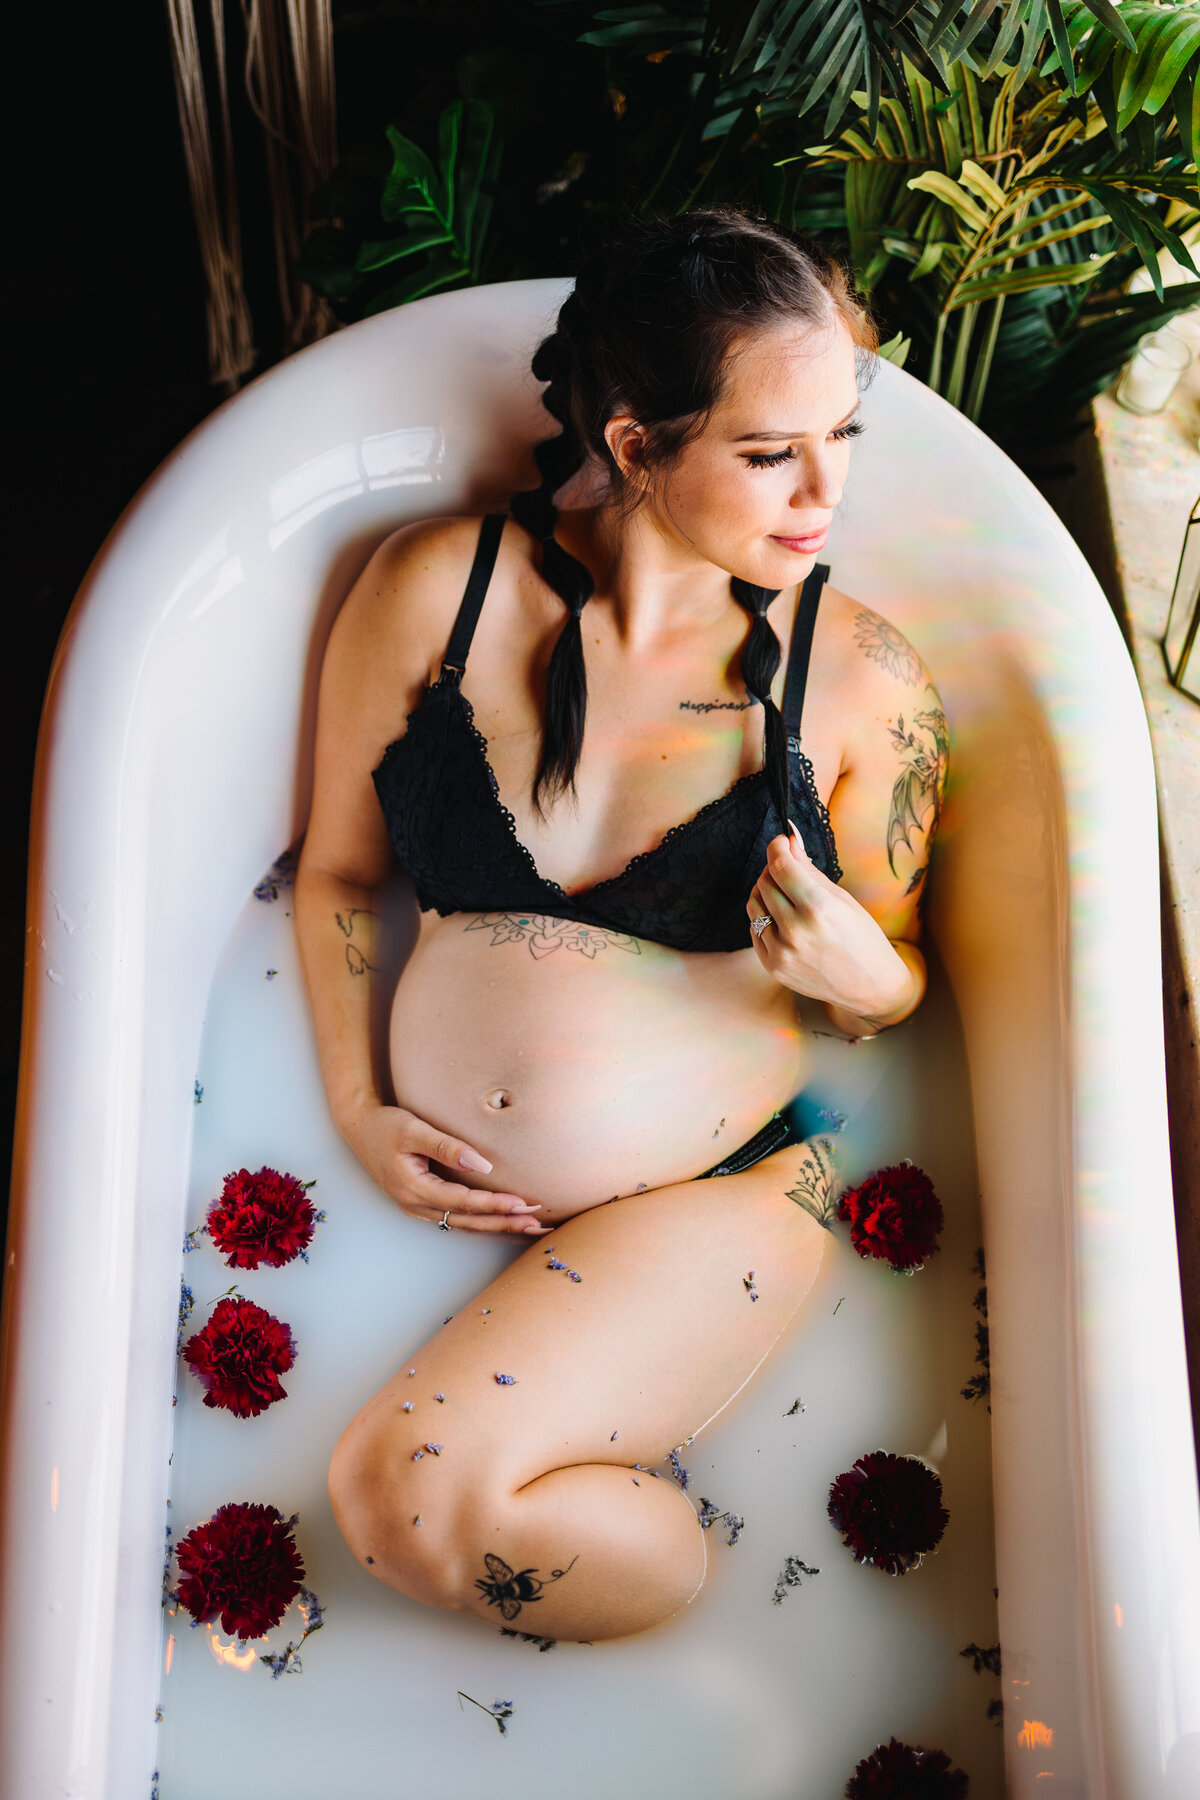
[534, 1476]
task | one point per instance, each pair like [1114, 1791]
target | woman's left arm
[855, 945]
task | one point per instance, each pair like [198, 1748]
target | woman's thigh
[682, 1292]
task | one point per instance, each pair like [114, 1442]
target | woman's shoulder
[408, 595]
[868, 655]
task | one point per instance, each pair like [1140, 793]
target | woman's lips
[813, 541]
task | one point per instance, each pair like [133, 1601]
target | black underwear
[778, 1131]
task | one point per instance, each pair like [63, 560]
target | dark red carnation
[264, 1218]
[239, 1356]
[889, 1510]
[896, 1771]
[895, 1215]
[244, 1565]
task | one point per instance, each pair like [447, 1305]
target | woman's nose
[818, 485]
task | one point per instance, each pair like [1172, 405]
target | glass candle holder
[1148, 378]
[1179, 639]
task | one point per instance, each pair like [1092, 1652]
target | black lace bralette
[458, 841]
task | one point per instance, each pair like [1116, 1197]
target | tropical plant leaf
[1020, 281]
[444, 209]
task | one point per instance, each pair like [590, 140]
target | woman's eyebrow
[761, 437]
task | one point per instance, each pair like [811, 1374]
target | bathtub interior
[737, 1695]
[175, 768]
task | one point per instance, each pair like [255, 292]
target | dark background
[106, 361]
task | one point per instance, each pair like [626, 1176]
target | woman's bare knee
[380, 1500]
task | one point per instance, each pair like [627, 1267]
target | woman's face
[755, 492]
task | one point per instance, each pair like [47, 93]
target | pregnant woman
[654, 780]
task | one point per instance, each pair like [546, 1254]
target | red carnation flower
[889, 1510]
[244, 1565]
[239, 1356]
[896, 1771]
[894, 1214]
[264, 1218]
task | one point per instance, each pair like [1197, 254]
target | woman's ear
[626, 444]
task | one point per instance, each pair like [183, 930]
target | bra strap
[455, 661]
[801, 647]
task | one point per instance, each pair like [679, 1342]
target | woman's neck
[653, 584]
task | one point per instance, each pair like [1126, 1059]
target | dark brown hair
[649, 331]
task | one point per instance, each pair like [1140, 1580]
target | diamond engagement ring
[443, 1223]
[759, 925]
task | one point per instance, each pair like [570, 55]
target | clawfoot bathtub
[165, 1043]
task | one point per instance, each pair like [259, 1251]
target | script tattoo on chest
[884, 644]
[707, 706]
[545, 934]
[358, 934]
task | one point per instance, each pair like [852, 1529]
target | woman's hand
[396, 1148]
[822, 942]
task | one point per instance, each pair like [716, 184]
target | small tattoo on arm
[544, 934]
[816, 1190]
[887, 646]
[511, 1589]
[918, 792]
[707, 706]
[356, 959]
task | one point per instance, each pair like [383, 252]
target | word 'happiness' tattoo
[884, 644]
[544, 934]
[707, 706]
[511, 1589]
[918, 792]
[357, 960]
[816, 1190]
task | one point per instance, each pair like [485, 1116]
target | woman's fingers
[451, 1152]
[435, 1191]
[514, 1225]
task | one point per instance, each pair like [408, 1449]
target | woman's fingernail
[471, 1159]
[524, 1206]
[534, 1230]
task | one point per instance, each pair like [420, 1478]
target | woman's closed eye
[758, 459]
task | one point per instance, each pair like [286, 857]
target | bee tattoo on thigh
[511, 1589]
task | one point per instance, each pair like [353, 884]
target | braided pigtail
[761, 654]
[557, 459]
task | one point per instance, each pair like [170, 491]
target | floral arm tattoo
[924, 752]
[358, 935]
[545, 934]
[816, 1190]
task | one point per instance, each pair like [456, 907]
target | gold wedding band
[759, 925]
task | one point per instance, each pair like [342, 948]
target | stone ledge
[1149, 470]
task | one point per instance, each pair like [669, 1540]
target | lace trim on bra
[823, 819]
[643, 856]
[636, 862]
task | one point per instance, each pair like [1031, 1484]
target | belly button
[498, 1099]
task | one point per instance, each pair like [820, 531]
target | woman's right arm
[375, 665]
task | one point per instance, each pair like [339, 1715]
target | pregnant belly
[586, 1066]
